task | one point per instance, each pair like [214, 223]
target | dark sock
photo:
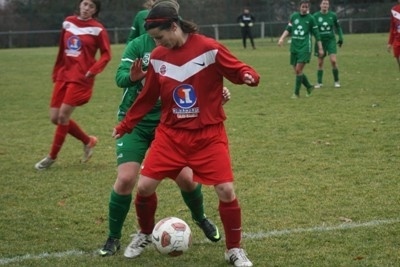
[194, 201]
[58, 140]
[118, 209]
[299, 79]
[335, 73]
[77, 132]
[306, 83]
[231, 219]
[145, 212]
[320, 74]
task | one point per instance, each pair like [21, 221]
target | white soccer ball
[172, 236]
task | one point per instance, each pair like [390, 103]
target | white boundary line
[41, 256]
[343, 226]
[254, 236]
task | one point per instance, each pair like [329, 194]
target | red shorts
[204, 150]
[73, 94]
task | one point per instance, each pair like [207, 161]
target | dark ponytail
[163, 14]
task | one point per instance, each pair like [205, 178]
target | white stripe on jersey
[127, 59]
[187, 70]
[72, 28]
[396, 14]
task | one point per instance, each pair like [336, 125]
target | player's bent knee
[225, 192]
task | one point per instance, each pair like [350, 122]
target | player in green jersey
[301, 27]
[327, 21]
[137, 27]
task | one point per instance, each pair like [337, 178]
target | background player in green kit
[327, 21]
[137, 27]
[301, 26]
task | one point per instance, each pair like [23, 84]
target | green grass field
[317, 178]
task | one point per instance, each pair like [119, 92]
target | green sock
[335, 74]
[306, 82]
[299, 80]
[118, 209]
[320, 74]
[194, 201]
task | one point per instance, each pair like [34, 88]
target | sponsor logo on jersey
[202, 64]
[185, 98]
[146, 59]
[299, 30]
[74, 45]
[163, 69]
[325, 27]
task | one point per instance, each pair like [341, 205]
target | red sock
[145, 212]
[77, 132]
[230, 214]
[58, 141]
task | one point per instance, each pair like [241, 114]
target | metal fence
[16, 39]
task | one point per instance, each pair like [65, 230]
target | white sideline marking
[41, 256]
[259, 235]
[343, 226]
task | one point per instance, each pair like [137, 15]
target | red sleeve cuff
[120, 129]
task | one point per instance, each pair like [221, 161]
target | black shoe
[210, 230]
[111, 247]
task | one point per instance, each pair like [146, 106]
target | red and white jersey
[189, 80]
[394, 34]
[79, 42]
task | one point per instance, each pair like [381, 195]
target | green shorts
[303, 57]
[329, 47]
[132, 147]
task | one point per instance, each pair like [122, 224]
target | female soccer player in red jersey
[73, 76]
[394, 34]
[186, 72]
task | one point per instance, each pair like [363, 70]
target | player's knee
[225, 192]
[146, 188]
[144, 192]
[126, 179]
[54, 120]
[62, 119]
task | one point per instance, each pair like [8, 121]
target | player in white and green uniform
[301, 27]
[327, 22]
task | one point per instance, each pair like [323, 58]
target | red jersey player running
[186, 71]
[73, 76]
[394, 34]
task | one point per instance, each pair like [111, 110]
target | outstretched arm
[282, 38]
